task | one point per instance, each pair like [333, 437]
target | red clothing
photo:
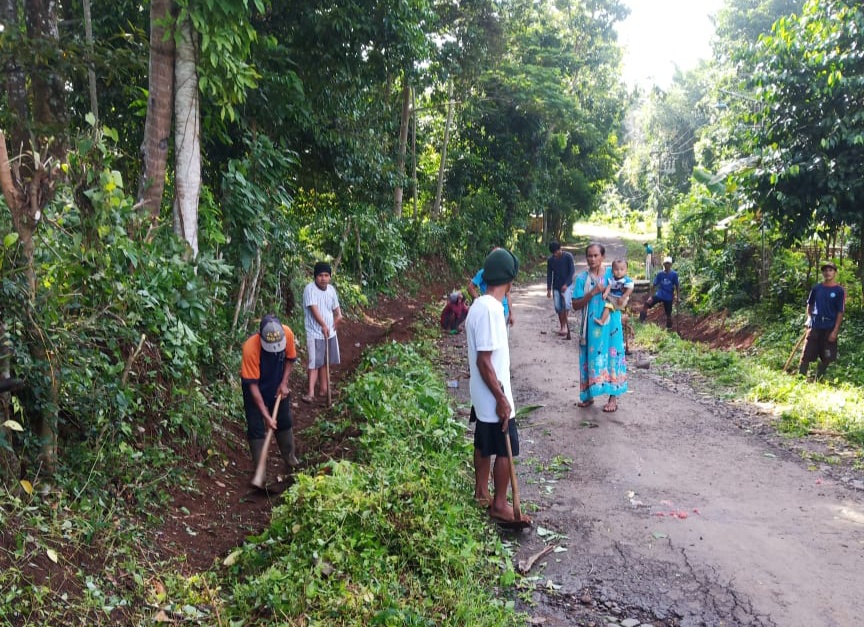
[453, 315]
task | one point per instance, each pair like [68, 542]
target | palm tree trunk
[157, 125]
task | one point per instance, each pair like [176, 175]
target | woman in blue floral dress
[602, 363]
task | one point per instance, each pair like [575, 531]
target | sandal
[585, 403]
[307, 399]
[611, 406]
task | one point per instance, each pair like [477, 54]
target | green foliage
[801, 405]
[385, 540]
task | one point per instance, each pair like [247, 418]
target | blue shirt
[825, 304]
[481, 285]
[665, 282]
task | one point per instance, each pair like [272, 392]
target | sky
[659, 34]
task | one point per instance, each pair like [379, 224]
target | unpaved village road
[670, 513]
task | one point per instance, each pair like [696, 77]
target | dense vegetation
[172, 170]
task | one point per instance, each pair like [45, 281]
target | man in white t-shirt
[491, 396]
[321, 316]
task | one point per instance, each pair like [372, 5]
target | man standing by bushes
[825, 306]
[491, 396]
[268, 358]
[321, 316]
[666, 292]
[560, 269]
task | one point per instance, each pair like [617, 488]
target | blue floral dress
[602, 363]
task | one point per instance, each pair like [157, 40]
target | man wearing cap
[825, 306]
[665, 291]
[477, 287]
[268, 357]
[491, 396]
[560, 269]
[321, 316]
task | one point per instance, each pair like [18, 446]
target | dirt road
[670, 513]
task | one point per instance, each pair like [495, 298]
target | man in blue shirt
[560, 269]
[825, 306]
[665, 291]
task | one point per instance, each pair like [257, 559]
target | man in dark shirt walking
[825, 306]
[560, 269]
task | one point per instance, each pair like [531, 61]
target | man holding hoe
[267, 361]
[825, 306]
[321, 316]
[491, 396]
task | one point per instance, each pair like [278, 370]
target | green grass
[800, 405]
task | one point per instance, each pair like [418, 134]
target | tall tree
[187, 180]
[808, 132]
[28, 175]
[160, 104]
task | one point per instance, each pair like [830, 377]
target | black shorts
[817, 346]
[255, 427]
[489, 439]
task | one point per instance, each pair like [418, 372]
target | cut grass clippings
[389, 539]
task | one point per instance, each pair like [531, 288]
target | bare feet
[483, 501]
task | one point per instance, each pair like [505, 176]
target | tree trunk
[436, 208]
[403, 149]
[157, 125]
[28, 186]
[15, 85]
[91, 75]
[187, 184]
[48, 87]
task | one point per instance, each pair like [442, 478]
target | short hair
[622, 262]
[601, 247]
[554, 246]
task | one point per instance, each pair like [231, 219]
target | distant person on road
[454, 313]
[602, 361]
[619, 286]
[267, 360]
[491, 396]
[560, 269]
[649, 260]
[666, 291]
[322, 315]
[477, 287]
[826, 304]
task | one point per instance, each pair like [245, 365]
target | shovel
[517, 524]
[261, 471]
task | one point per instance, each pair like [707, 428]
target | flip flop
[584, 404]
[307, 399]
[611, 406]
[512, 525]
[483, 502]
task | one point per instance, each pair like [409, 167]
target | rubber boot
[257, 449]
[285, 440]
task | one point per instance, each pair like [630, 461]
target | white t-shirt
[326, 301]
[486, 329]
